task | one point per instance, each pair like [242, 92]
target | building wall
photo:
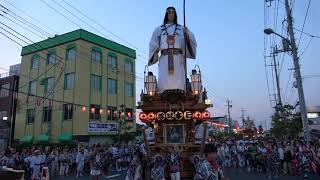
[7, 109]
[80, 95]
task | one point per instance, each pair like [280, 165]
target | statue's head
[171, 16]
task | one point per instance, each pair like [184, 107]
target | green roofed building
[76, 86]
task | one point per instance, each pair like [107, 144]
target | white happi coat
[177, 79]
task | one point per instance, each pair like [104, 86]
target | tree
[286, 123]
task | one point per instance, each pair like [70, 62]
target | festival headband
[171, 9]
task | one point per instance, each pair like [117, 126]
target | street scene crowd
[272, 157]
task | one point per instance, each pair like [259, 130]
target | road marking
[112, 176]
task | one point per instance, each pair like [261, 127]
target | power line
[78, 19]
[23, 12]
[60, 13]
[303, 32]
[94, 21]
[29, 24]
[84, 57]
[13, 35]
[306, 47]
[10, 38]
[304, 22]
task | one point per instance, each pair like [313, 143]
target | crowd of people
[271, 157]
[96, 160]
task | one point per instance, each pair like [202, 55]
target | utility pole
[277, 78]
[229, 117]
[242, 116]
[122, 106]
[296, 64]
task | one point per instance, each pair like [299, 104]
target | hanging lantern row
[188, 115]
[101, 111]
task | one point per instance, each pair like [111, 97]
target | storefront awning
[43, 138]
[26, 139]
[65, 137]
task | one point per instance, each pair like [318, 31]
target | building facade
[76, 86]
[313, 113]
[8, 88]
[14, 70]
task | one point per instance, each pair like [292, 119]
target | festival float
[173, 107]
[175, 118]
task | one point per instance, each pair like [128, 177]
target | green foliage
[285, 123]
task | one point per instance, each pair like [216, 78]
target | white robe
[177, 79]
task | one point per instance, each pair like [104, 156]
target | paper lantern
[205, 115]
[151, 116]
[150, 84]
[196, 83]
[83, 109]
[197, 115]
[143, 117]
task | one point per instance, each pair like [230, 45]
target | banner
[102, 127]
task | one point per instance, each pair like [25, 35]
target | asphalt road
[232, 174]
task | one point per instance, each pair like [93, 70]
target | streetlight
[269, 31]
[298, 83]
[285, 41]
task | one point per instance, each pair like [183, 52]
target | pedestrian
[80, 159]
[35, 164]
[157, 170]
[96, 162]
[173, 161]
[54, 156]
[62, 162]
[209, 168]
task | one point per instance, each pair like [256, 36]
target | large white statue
[169, 39]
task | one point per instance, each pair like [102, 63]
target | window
[30, 116]
[112, 61]
[112, 86]
[96, 56]
[94, 112]
[69, 81]
[32, 87]
[52, 58]
[4, 90]
[128, 89]
[96, 82]
[112, 113]
[71, 54]
[49, 84]
[67, 111]
[47, 116]
[35, 62]
[129, 114]
[128, 67]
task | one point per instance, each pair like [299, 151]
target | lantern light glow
[150, 84]
[83, 109]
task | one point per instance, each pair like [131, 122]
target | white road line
[112, 176]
